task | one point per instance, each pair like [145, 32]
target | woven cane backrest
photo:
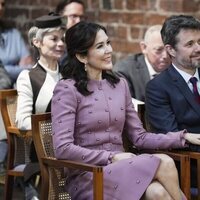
[56, 175]
[22, 143]
[11, 103]
[19, 144]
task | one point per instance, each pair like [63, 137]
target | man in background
[140, 68]
[172, 97]
[73, 11]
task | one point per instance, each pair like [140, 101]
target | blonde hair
[39, 33]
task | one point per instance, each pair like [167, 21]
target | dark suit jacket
[170, 104]
[135, 70]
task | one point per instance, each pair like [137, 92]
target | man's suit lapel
[180, 83]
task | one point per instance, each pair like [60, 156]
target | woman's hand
[193, 138]
[122, 156]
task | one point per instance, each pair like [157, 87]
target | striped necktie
[194, 80]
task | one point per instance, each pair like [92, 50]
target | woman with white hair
[35, 86]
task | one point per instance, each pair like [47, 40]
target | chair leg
[185, 176]
[8, 188]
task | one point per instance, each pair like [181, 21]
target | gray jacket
[135, 70]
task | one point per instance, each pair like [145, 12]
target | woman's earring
[86, 67]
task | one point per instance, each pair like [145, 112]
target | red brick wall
[126, 20]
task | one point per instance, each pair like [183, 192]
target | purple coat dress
[89, 128]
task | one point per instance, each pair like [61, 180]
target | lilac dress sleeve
[143, 139]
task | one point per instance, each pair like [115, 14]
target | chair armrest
[175, 155]
[191, 154]
[71, 164]
[21, 133]
[97, 173]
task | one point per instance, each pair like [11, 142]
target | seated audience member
[91, 107]
[14, 53]
[35, 86]
[11, 51]
[138, 69]
[170, 97]
[73, 11]
[171, 101]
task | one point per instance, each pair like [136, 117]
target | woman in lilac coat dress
[91, 108]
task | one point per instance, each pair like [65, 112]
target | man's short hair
[174, 24]
[61, 5]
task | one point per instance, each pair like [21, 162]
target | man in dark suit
[171, 103]
[138, 69]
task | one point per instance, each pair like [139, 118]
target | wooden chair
[183, 158]
[18, 141]
[52, 170]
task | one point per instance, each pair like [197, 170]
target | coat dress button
[138, 181]
[116, 186]
[65, 147]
